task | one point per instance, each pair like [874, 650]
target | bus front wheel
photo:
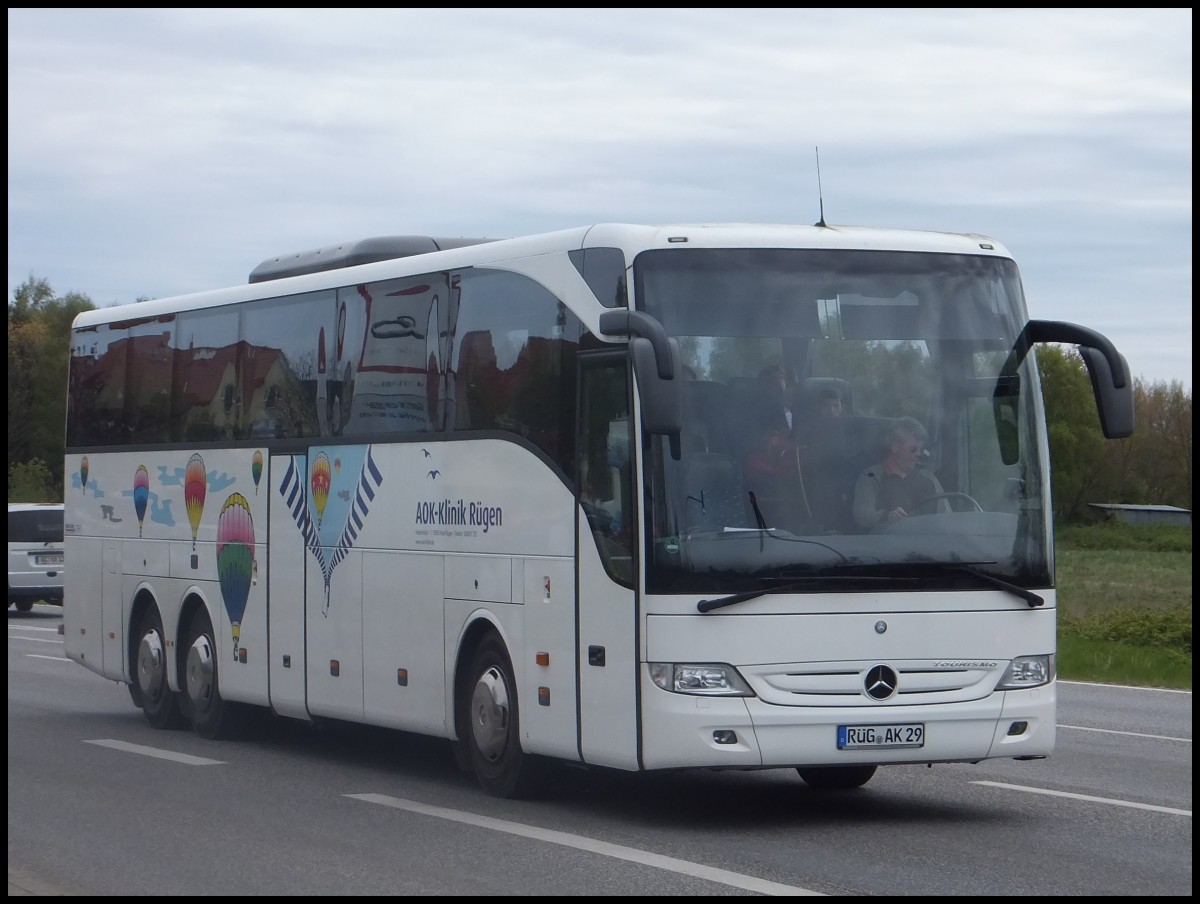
[832, 778]
[489, 720]
[159, 703]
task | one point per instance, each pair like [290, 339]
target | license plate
[52, 559]
[878, 737]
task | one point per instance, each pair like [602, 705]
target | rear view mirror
[1107, 369]
[658, 369]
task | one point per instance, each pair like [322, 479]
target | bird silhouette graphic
[434, 473]
[426, 451]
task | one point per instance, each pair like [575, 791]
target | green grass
[1125, 604]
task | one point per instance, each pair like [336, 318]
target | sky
[157, 152]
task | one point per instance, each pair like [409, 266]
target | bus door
[607, 654]
[286, 565]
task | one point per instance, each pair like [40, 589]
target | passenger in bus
[815, 406]
[771, 468]
[896, 487]
[829, 402]
[774, 406]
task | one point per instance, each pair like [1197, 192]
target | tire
[25, 606]
[212, 716]
[160, 705]
[836, 778]
[489, 725]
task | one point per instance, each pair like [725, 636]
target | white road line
[186, 759]
[1131, 734]
[1128, 687]
[591, 845]
[37, 640]
[40, 656]
[1088, 797]
[32, 628]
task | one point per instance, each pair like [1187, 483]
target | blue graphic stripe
[294, 492]
[368, 481]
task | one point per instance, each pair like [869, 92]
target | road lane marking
[32, 628]
[1127, 687]
[37, 640]
[1131, 734]
[41, 656]
[591, 845]
[1088, 797]
[186, 759]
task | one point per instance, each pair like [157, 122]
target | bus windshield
[848, 418]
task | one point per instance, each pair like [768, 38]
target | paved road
[21, 882]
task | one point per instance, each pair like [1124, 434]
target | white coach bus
[538, 497]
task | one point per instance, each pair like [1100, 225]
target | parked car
[35, 554]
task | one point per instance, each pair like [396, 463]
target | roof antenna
[820, 194]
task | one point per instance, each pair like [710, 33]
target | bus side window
[605, 491]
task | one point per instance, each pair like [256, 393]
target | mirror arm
[639, 323]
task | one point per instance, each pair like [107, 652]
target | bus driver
[896, 488]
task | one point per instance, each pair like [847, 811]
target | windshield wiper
[1028, 595]
[970, 568]
[721, 602]
[823, 577]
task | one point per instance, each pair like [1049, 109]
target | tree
[1077, 446]
[39, 340]
[32, 482]
[29, 299]
[1151, 467]
[1163, 435]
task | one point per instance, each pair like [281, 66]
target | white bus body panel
[403, 628]
[83, 599]
[286, 564]
[415, 541]
[807, 673]
[548, 727]
[136, 513]
[335, 640]
[608, 726]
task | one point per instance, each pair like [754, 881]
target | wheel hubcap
[200, 671]
[151, 667]
[489, 714]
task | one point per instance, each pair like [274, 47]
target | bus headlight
[1027, 671]
[712, 679]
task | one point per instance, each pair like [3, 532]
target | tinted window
[35, 526]
[513, 361]
[476, 350]
[603, 269]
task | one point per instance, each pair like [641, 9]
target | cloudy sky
[157, 152]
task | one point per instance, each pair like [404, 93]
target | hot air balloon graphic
[195, 487]
[141, 494]
[256, 470]
[337, 466]
[235, 560]
[83, 472]
[320, 484]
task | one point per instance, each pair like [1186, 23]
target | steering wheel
[975, 506]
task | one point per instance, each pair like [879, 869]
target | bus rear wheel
[212, 716]
[489, 724]
[834, 778]
[159, 703]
